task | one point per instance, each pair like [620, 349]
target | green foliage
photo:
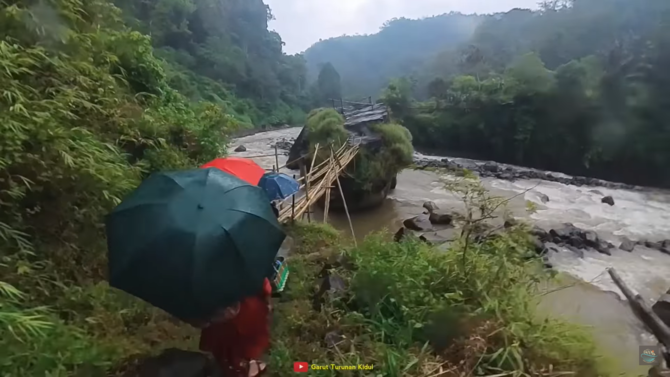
[596, 108]
[85, 113]
[398, 97]
[326, 127]
[375, 169]
[576, 86]
[222, 51]
[410, 309]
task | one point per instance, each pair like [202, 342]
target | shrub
[412, 310]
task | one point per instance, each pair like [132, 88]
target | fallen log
[644, 313]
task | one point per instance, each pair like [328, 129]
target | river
[637, 214]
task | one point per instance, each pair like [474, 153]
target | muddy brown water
[587, 296]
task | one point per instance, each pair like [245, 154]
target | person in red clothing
[239, 335]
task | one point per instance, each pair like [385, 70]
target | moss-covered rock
[386, 149]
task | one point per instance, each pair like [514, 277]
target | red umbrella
[242, 168]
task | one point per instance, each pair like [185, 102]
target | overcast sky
[301, 23]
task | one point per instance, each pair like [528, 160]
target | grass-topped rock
[386, 149]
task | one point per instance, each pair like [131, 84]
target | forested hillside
[92, 100]
[367, 62]
[222, 51]
[580, 86]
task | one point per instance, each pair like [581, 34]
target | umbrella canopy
[243, 168]
[278, 186]
[192, 242]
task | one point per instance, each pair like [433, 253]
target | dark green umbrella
[191, 242]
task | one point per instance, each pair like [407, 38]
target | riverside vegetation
[576, 86]
[89, 105]
[412, 310]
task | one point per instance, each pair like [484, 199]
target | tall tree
[329, 84]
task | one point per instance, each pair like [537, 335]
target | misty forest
[95, 95]
[579, 86]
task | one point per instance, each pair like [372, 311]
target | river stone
[490, 167]
[399, 235]
[421, 223]
[591, 238]
[510, 222]
[653, 245]
[284, 144]
[241, 148]
[434, 238]
[538, 246]
[543, 197]
[604, 247]
[540, 233]
[430, 206]
[607, 200]
[627, 245]
[577, 242]
[580, 253]
[596, 192]
[440, 217]
[561, 234]
[662, 308]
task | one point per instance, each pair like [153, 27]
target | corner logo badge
[649, 355]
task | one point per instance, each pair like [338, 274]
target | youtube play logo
[300, 367]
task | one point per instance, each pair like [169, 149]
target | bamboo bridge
[319, 181]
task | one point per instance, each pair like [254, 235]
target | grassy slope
[405, 300]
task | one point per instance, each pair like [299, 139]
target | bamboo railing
[318, 181]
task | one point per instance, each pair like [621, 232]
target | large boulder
[241, 148]
[430, 206]
[572, 237]
[419, 223]
[434, 238]
[357, 199]
[439, 217]
[662, 308]
[627, 245]
[300, 148]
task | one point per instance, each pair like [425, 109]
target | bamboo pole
[276, 158]
[344, 201]
[346, 210]
[660, 330]
[322, 180]
[304, 174]
[316, 151]
[326, 206]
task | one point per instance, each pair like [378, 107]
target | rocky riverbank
[284, 144]
[513, 173]
[438, 226]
